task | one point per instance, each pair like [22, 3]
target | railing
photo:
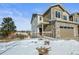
[47, 33]
[48, 28]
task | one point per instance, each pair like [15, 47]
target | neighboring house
[55, 22]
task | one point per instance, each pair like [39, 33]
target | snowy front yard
[28, 47]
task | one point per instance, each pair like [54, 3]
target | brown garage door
[66, 32]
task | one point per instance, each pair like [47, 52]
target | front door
[40, 31]
[78, 30]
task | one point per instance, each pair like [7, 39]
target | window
[77, 20]
[65, 17]
[71, 18]
[40, 18]
[57, 14]
[78, 29]
[66, 27]
[61, 26]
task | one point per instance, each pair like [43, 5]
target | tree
[8, 26]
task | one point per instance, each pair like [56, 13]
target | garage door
[66, 32]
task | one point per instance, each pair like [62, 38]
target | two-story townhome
[55, 22]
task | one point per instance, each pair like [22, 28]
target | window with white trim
[65, 17]
[77, 19]
[57, 14]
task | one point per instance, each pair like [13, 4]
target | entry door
[40, 31]
[78, 30]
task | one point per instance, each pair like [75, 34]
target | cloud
[22, 23]
[10, 12]
[37, 10]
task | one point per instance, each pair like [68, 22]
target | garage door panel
[67, 33]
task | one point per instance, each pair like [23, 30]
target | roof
[74, 13]
[34, 15]
[55, 6]
[66, 21]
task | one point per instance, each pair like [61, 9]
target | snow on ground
[28, 47]
[6, 46]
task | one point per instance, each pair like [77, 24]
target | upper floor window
[71, 18]
[65, 17]
[57, 14]
[40, 18]
[77, 20]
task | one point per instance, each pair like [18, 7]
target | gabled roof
[34, 15]
[56, 6]
[75, 13]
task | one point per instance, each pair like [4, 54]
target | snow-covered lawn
[6, 46]
[28, 47]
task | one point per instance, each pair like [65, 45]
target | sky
[21, 13]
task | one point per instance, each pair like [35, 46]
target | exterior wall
[53, 30]
[54, 9]
[75, 18]
[47, 16]
[40, 21]
[65, 14]
[34, 25]
[66, 33]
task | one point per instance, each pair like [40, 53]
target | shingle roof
[33, 15]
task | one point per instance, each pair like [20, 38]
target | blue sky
[22, 12]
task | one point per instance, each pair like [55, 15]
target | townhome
[56, 22]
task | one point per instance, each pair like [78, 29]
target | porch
[45, 29]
